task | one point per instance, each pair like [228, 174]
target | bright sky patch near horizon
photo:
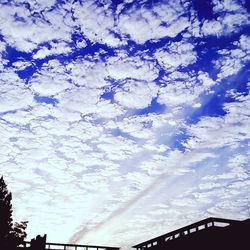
[123, 120]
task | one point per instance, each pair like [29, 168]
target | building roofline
[193, 225]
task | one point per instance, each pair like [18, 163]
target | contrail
[79, 235]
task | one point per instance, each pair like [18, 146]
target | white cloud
[90, 74]
[175, 94]
[56, 48]
[14, 94]
[232, 60]
[216, 132]
[163, 20]
[184, 89]
[176, 55]
[21, 65]
[37, 5]
[99, 24]
[136, 95]
[2, 46]
[106, 109]
[96, 23]
[3, 61]
[25, 33]
[47, 85]
[227, 5]
[232, 17]
[132, 67]
[82, 100]
[117, 148]
[50, 80]
[212, 27]
[244, 43]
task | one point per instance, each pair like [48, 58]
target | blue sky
[123, 120]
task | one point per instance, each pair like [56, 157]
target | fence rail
[60, 246]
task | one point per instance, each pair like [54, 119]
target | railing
[59, 246]
[198, 226]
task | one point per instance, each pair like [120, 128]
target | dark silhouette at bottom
[39, 243]
[211, 233]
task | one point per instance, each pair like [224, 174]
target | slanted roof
[200, 225]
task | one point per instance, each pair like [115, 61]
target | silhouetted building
[211, 233]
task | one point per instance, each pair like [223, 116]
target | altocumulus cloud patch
[118, 115]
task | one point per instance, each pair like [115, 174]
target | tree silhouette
[10, 235]
[5, 213]
[18, 234]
